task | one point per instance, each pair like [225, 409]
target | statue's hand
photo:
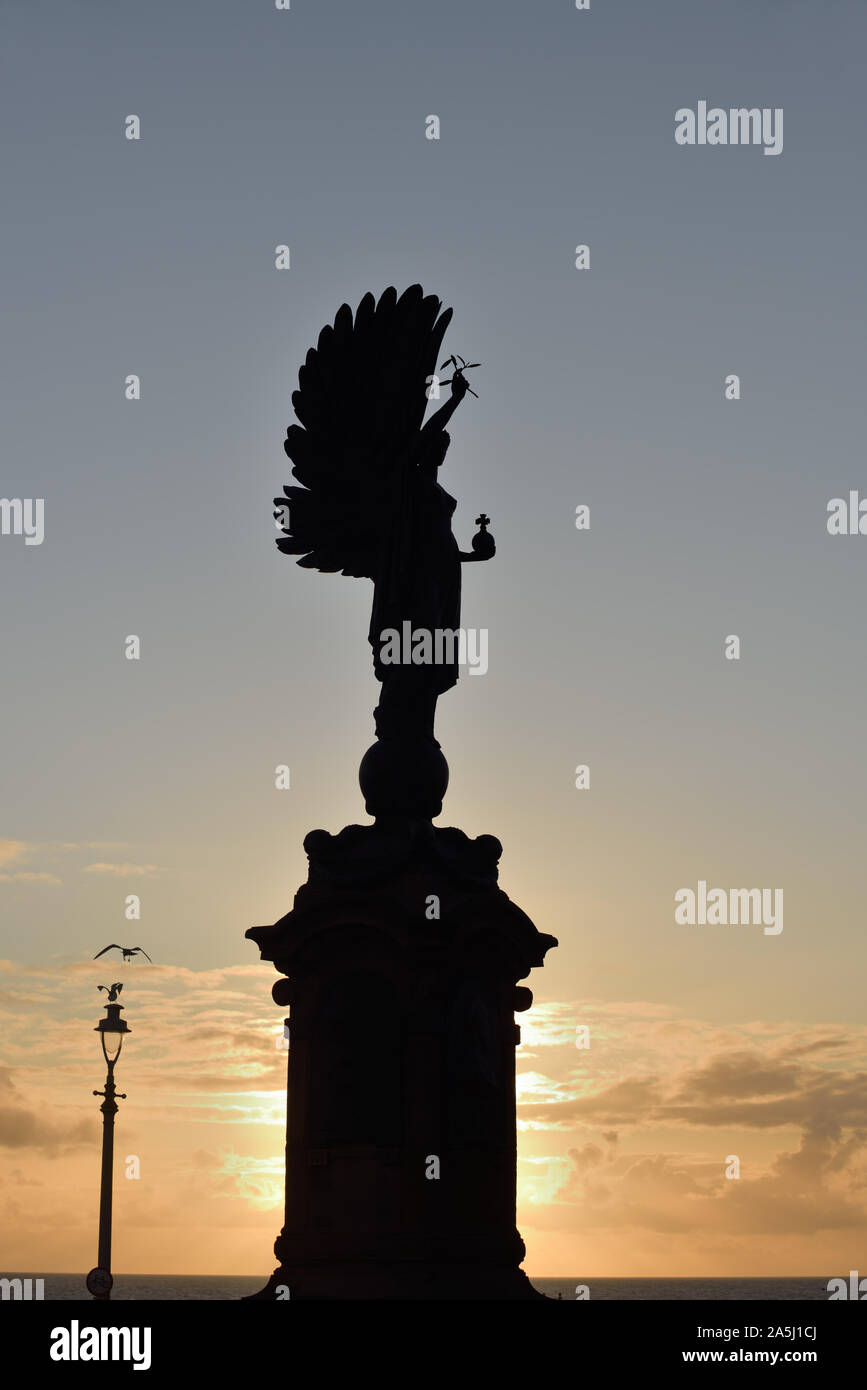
[460, 386]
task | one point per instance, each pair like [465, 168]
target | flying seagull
[128, 951]
[113, 991]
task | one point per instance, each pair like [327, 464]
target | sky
[602, 387]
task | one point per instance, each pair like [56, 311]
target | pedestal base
[402, 957]
[428, 1283]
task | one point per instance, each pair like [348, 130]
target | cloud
[23, 876]
[261, 1181]
[740, 1074]
[121, 870]
[270, 1080]
[21, 1127]
[73, 846]
[626, 1102]
[798, 1081]
[12, 850]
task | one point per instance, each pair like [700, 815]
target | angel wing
[361, 399]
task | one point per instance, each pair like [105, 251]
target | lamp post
[111, 1028]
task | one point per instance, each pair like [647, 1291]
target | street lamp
[112, 1030]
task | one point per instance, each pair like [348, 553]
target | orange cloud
[121, 870]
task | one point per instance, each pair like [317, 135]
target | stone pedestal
[403, 959]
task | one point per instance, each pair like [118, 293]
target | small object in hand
[483, 542]
[459, 380]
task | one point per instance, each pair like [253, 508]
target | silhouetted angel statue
[370, 506]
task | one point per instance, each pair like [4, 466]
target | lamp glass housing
[112, 1027]
[115, 1040]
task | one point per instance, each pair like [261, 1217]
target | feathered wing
[361, 399]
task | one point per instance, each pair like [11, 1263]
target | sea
[198, 1287]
